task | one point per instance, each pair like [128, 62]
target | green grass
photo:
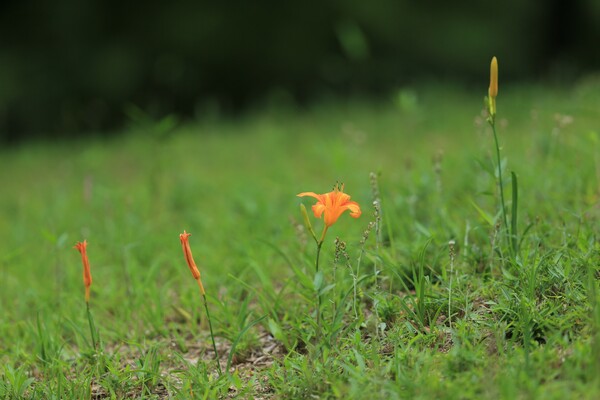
[480, 323]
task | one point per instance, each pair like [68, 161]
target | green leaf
[275, 329]
[318, 281]
[239, 337]
[486, 217]
[326, 289]
[513, 215]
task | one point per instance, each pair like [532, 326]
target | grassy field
[420, 297]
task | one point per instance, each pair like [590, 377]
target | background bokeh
[71, 67]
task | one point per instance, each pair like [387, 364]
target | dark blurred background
[72, 66]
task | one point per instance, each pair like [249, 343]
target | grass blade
[513, 214]
[239, 337]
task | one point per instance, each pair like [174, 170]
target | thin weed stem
[451, 245]
[355, 277]
[338, 250]
[378, 239]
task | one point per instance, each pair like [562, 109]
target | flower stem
[500, 182]
[319, 245]
[212, 336]
[92, 326]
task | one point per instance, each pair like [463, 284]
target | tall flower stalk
[87, 283]
[187, 252]
[510, 230]
[330, 206]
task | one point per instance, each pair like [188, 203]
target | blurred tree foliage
[69, 66]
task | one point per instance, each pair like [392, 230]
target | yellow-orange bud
[493, 90]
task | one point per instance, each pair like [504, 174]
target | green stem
[92, 326]
[501, 183]
[450, 286]
[319, 245]
[212, 336]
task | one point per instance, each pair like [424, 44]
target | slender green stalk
[510, 230]
[92, 326]
[378, 239]
[500, 182]
[451, 245]
[212, 336]
[319, 245]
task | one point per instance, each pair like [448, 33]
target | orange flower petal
[354, 209]
[318, 209]
[320, 197]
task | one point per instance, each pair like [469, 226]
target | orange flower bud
[87, 275]
[187, 252]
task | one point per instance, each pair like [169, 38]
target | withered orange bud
[187, 252]
[87, 275]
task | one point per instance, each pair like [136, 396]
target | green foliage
[201, 59]
[404, 314]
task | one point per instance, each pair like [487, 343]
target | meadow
[422, 296]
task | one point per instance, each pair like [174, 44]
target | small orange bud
[87, 275]
[187, 252]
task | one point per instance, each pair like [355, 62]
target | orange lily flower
[187, 252]
[87, 275]
[333, 205]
